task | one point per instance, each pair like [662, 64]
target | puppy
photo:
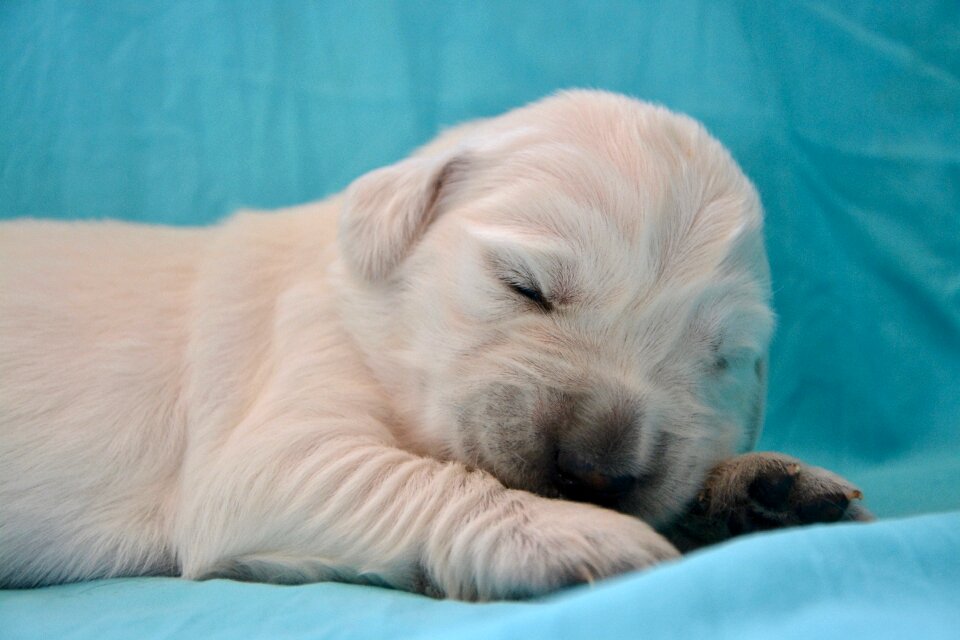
[523, 358]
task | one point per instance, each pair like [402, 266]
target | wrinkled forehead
[630, 212]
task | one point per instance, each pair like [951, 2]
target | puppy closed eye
[531, 292]
[719, 359]
[727, 358]
[720, 364]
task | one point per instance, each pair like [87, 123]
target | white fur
[258, 400]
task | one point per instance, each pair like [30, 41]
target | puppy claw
[586, 576]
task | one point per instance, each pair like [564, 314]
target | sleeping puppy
[523, 358]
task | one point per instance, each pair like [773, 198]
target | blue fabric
[894, 579]
[845, 115]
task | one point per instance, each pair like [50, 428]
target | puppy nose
[581, 480]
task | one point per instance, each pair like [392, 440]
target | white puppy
[394, 386]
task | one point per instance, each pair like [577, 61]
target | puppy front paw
[764, 491]
[542, 545]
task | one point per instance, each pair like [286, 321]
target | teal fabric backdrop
[845, 114]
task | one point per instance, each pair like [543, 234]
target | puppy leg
[353, 509]
[762, 491]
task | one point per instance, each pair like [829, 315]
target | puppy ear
[387, 211]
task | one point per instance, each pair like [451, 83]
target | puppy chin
[656, 508]
[526, 475]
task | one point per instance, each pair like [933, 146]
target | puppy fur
[377, 388]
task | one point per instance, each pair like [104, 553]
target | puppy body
[355, 390]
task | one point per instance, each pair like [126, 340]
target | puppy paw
[761, 491]
[764, 491]
[542, 545]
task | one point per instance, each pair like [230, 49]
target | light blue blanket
[845, 114]
[895, 579]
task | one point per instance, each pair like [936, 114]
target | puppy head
[573, 296]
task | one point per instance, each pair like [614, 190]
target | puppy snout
[584, 481]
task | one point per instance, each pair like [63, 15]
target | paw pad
[772, 490]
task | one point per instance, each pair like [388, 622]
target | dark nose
[584, 481]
